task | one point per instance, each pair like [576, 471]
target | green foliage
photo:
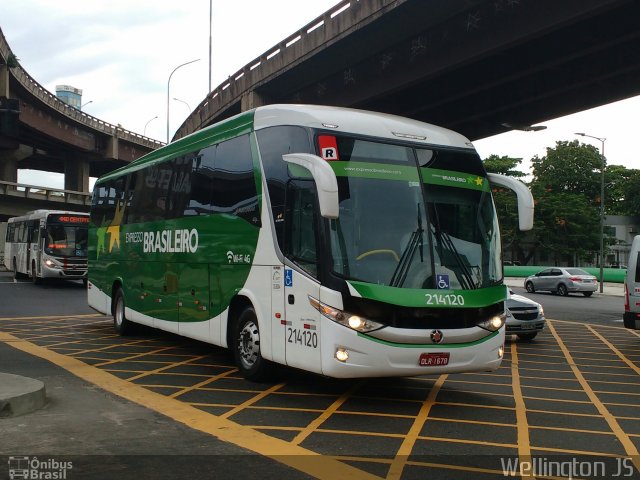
[12, 61]
[566, 188]
[503, 165]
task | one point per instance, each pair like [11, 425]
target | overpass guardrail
[20, 190]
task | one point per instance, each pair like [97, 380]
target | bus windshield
[66, 240]
[413, 217]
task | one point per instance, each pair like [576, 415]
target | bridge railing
[54, 102]
[34, 192]
[317, 33]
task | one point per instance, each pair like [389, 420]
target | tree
[566, 189]
[506, 205]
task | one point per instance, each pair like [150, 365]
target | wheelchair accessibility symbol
[442, 282]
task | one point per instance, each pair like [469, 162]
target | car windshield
[576, 271]
[413, 218]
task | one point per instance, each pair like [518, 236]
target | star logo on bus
[479, 181]
[114, 236]
[436, 336]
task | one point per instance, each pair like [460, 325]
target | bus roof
[360, 122]
[338, 119]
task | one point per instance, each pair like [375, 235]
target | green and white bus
[337, 241]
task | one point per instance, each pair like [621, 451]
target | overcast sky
[121, 52]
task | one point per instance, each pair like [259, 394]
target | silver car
[562, 281]
[525, 318]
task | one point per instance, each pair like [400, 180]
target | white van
[632, 287]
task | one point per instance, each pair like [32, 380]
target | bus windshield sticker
[328, 147]
[442, 282]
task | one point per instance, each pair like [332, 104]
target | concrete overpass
[472, 65]
[38, 131]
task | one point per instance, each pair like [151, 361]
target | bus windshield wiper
[415, 241]
[444, 240]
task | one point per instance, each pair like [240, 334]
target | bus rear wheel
[120, 322]
[246, 347]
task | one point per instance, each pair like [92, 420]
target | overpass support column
[253, 99]
[76, 174]
[9, 169]
[4, 81]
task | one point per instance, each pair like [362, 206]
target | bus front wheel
[246, 347]
[34, 274]
[120, 322]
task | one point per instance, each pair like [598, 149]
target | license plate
[434, 359]
[528, 326]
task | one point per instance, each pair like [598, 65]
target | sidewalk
[614, 289]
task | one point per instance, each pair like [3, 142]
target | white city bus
[47, 244]
[338, 241]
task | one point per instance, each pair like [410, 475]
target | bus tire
[246, 347]
[120, 322]
[34, 274]
[527, 337]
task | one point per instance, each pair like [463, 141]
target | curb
[20, 395]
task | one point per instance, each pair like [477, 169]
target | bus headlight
[49, 263]
[494, 323]
[354, 322]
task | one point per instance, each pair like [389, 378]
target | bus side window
[638, 268]
[234, 185]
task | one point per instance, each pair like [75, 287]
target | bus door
[302, 320]
[193, 301]
[33, 233]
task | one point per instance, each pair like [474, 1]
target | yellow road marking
[522, 425]
[252, 400]
[325, 415]
[55, 317]
[401, 457]
[299, 458]
[624, 439]
[620, 355]
[203, 383]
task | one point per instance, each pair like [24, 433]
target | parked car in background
[525, 318]
[562, 281]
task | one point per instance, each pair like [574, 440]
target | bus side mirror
[525, 199]
[325, 179]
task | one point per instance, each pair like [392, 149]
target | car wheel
[562, 290]
[246, 347]
[587, 294]
[529, 286]
[120, 322]
[527, 337]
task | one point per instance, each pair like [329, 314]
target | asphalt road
[599, 308]
[155, 405]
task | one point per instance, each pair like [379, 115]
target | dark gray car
[562, 281]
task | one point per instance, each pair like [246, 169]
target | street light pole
[168, 83]
[148, 122]
[210, 27]
[602, 140]
[182, 101]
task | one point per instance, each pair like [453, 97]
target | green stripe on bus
[449, 178]
[417, 297]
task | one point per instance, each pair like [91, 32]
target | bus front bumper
[368, 357]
